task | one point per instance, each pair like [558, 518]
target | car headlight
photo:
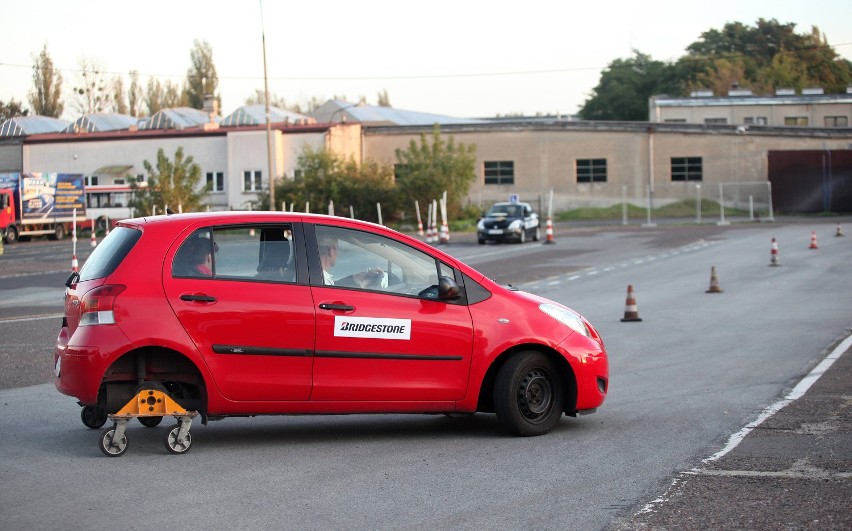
[566, 317]
[480, 225]
[516, 225]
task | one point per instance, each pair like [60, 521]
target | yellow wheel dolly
[149, 406]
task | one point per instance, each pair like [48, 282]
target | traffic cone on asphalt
[420, 227]
[94, 239]
[774, 258]
[631, 314]
[549, 231]
[714, 282]
[74, 263]
[839, 232]
[813, 244]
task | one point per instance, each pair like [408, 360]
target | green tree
[772, 55]
[46, 96]
[173, 185]
[160, 96]
[384, 99]
[424, 171]
[322, 176]
[201, 78]
[119, 100]
[259, 98]
[625, 86]
[135, 95]
[11, 109]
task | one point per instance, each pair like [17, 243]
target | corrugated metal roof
[340, 111]
[91, 123]
[31, 125]
[176, 118]
[256, 115]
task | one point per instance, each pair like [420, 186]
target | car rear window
[111, 251]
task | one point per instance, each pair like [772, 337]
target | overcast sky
[465, 58]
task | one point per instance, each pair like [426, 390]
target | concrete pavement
[793, 470]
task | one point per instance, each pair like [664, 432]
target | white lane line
[795, 394]
[34, 318]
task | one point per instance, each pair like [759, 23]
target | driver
[372, 278]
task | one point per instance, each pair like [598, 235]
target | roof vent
[701, 93]
[785, 92]
[740, 92]
[812, 91]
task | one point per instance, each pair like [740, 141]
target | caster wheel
[112, 448]
[172, 444]
[93, 417]
[150, 422]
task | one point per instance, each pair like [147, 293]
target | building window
[252, 181]
[499, 172]
[796, 120]
[715, 121]
[216, 181]
[836, 121]
[91, 180]
[755, 120]
[140, 178]
[675, 120]
[591, 170]
[687, 169]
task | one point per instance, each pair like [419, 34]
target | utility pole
[269, 147]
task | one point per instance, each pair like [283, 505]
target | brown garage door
[811, 181]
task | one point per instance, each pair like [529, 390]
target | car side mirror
[448, 290]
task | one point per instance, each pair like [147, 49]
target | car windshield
[505, 210]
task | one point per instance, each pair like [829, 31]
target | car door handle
[330, 306]
[197, 298]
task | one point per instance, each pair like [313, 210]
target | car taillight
[96, 306]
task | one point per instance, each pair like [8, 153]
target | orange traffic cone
[813, 244]
[74, 263]
[839, 232]
[94, 239]
[774, 259]
[419, 227]
[631, 314]
[549, 231]
[714, 282]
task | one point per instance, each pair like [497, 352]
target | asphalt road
[696, 370]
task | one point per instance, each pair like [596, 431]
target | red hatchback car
[248, 313]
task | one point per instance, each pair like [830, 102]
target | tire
[528, 394]
[11, 234]
[523, 236]
[93, 417]
[537, 234]
[171, 441]
[59, 232]
[150, 422]
[106, 446]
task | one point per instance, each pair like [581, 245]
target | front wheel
[528, 394]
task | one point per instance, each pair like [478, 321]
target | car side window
[249, 252]
[366, 261]
[195, 256]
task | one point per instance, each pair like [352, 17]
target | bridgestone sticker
[372, 327]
